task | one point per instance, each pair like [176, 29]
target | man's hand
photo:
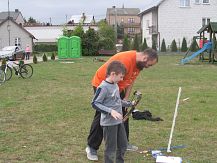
[116, 115]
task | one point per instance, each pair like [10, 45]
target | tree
[144, 45]
[106, 36]
[52, 56]
[194, 46]
[120, 31]
[67, 32]
[31, 20]
[174, 46]
[35, 60]
[163, 46]
[126, 44]
[90, 42]
[136, 43]
[184, 47]
[78, 31]
[44, 57]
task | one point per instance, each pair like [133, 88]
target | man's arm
[128, 91]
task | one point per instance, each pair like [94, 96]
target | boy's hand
[116, 115]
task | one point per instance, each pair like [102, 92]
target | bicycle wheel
[2, 76]
[8, 73]
[26, 71]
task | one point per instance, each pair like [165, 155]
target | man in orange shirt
[134, 63]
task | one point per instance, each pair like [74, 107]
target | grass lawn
[47, 118]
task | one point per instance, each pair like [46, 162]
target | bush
[174, 46]
[52, 56]
[45, 48]
[184, 47]
[44, 57]
[35, 60]
[163, 46]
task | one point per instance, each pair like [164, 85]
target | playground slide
[206, 46]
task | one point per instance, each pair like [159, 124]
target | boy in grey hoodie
[107, 100]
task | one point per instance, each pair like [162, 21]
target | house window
[17, 41]
[131, 20]
[122, 20]
[205, 1]
[205, 21]
[184, 3]
[131, 30]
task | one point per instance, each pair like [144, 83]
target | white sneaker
[91, 154]
[131, 147]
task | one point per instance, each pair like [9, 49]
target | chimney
[113, 6]
[16, 10]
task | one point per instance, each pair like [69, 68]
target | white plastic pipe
[174, 119]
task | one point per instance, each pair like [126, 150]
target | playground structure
[69, 47]
[207, 46]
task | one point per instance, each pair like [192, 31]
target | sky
[58, 11]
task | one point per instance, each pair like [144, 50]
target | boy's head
[115, 71]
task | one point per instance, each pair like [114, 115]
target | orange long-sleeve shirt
[128, 58]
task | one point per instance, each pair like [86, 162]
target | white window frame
[184, 3]
[131, 20]
[17, 41]
[205, 21]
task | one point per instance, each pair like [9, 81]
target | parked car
[12, 53]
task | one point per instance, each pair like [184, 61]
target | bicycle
[24, 70]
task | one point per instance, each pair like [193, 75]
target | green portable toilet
[75, 47]
[63, 46]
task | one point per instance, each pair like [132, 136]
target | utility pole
[8, 26]
[116, 33]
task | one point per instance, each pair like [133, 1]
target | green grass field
[47, 118]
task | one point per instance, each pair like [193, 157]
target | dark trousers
[95, 136]
[27, 55]
[115, 143]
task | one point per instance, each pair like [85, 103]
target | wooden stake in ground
[174, 119]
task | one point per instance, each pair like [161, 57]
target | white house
[50, 34]
[12, 34]
[175, 19]
[15, 15]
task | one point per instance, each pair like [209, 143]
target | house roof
[211, 26]
[123, 11]
[18, 26]
[204, 28]
[79, 18]
[150, 7]
[13, 14]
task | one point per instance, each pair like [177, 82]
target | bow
[136, 98]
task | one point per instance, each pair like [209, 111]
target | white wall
[145, 30]
[15, 32]
[176, 22]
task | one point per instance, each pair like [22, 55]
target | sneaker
[91, 154]
[131, 147]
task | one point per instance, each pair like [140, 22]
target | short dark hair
[117, 67]
[151, 53]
